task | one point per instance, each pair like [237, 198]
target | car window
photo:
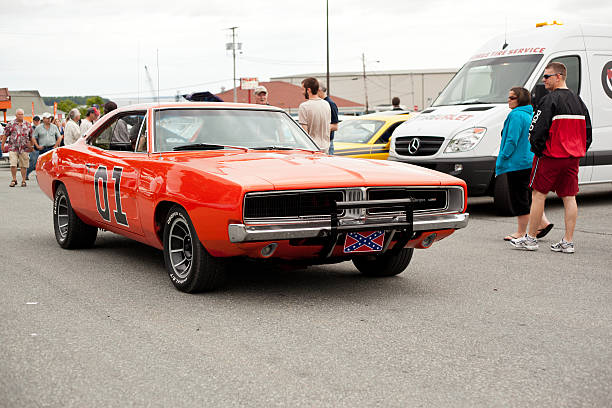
[141, 143]
[121, 133]
[177, 128]
[357, 130]
[572, 63]
[384, 138]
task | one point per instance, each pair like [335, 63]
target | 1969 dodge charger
[205, 182]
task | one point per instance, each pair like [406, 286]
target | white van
[460, 133]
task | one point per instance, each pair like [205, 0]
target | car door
[380, 145]
[113, 170]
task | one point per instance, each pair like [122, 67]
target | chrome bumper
[322, 228]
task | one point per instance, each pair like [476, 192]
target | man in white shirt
[72, 132]
[89, 120]
[314, 115]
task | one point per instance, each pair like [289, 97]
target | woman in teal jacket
[515, 158]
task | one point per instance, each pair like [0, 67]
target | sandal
[542, 232]
[23, 183]
[13, 183]
[510, 237]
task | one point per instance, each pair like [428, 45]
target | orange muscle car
[207, 181]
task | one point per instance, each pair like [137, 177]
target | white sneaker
[526, 243]
[563, 246]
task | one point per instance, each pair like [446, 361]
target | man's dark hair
[91, 111]
[523, 97]
[109, 107]
[558, 67]
[395, 101]
[312, 84]
[36, 118]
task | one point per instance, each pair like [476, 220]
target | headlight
[392, 146]
[465, 140]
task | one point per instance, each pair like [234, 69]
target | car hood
[446, 121]
[300, 170]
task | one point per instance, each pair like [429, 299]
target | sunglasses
[546, 76]
[513, 97]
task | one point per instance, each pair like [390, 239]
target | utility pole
[232, 46]
[365, 86]
[327, 26]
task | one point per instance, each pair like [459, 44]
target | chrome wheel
[180, 248]
[61, 213]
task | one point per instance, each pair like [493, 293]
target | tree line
[66, 103]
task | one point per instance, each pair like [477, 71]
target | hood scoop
[477, 108]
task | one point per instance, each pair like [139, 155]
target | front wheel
[389, 264]
[190, 267]
[70, 231]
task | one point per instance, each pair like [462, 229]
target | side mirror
[539, 91]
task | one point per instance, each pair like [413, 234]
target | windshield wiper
[272, 148]
[202, 146]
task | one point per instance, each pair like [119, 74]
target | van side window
[572, 63]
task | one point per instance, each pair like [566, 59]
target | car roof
[197, 105]
[386, 118]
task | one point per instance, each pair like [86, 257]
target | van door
[578, 81]
[601, 115]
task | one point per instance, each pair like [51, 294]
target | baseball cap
[259, 90]
[36, 117]
[46, 115]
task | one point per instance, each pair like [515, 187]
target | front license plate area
[364, 241]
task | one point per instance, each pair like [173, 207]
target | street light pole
[234, 59]
[327, 26]
[365, 86]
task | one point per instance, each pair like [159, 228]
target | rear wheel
[70, 231]
[501, 198]
[190, 267]
[388, 264]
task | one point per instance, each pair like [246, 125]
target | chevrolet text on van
[460, 133]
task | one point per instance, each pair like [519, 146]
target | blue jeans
[34, 158]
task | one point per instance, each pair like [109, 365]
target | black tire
[70, 231]
[190, 267]
[501, 197]
[384, 265]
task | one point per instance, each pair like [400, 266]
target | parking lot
[471, 322]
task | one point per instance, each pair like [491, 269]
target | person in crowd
[333, 126]
[33, 153]
[18, 137]
[121, 133]
[57, 122]
[72, 132]
[88, 120]
[45, 137]
[560, 134]
[261, 95]
[396, 103]
[515, 159]
[314, 115]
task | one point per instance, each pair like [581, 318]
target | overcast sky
[75, 47]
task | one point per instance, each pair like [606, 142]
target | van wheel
[389, 264]
[501, 197]
[70, 231]
[190, 267]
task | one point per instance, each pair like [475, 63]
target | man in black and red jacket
[560, 135]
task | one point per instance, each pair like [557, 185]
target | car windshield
[211, 129]
[357, 130]
[487, 80]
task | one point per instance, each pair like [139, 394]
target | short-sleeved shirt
[334, 114]
[46, 137]
[316, 114]
[18, 136]
[85, 125]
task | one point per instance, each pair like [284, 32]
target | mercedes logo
[414, 145]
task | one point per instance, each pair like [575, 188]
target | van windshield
[488, 80]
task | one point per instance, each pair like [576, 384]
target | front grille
[418, 145]
[291, 205]
[426, 200]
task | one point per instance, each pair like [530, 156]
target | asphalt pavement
[470, 323]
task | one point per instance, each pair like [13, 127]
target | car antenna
[157, 76]
[505, 34]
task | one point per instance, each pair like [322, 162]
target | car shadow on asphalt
[245, 277]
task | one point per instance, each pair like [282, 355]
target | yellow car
[367, 136]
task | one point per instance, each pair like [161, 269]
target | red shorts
[552, 174]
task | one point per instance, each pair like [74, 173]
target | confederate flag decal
[366, 241]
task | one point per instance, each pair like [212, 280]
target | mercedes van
[460, 132]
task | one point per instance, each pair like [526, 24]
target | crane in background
[150, 80]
